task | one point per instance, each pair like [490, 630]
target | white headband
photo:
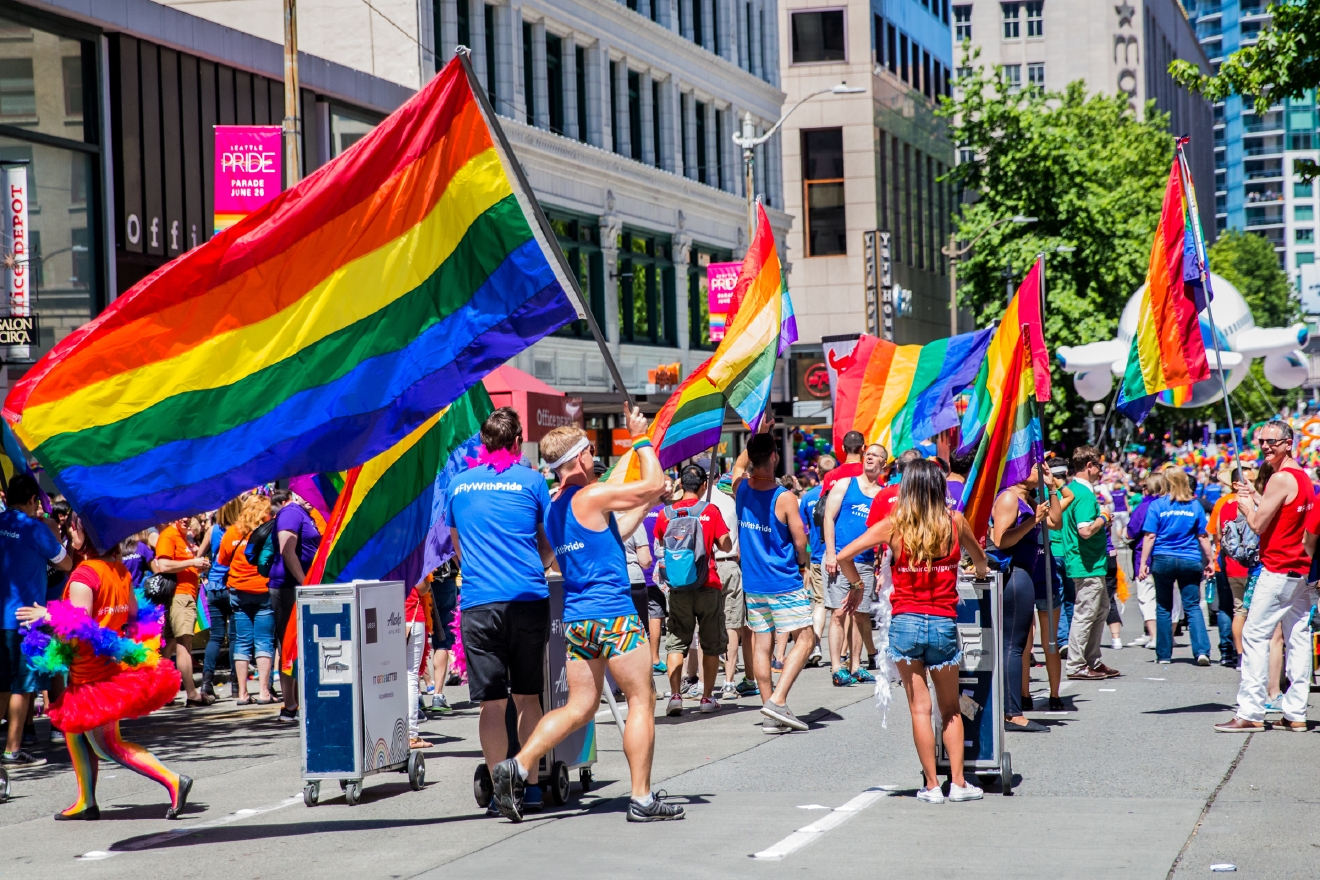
[572, 453]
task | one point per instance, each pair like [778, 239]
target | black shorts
[638, 593]
[442, 619]
[505, 647]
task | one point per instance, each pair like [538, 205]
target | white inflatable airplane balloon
[1094, 365]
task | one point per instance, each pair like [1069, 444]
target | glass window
[1305, 235]
[818, 37]
[1035, 19]
[581, 71]
[646, 290]
[580, 239]
[529, 74]
[703, 169]
[1298, 142]
[699, 294]
[554, 74]
[822, 175]
[1303, 212]
[1036, 75]
[635, 114]
[1012, 25]
[1305, 258]
[1301, 190]
[962, 23]
[347, 128]
[18, 93]
[1013, 76]
[489, 12]
[73, 85]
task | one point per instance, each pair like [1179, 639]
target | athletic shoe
[709, 706]
[842, 679]
[508, 789]
[729, 691]
[656, 811]
[1116, 644]
[532, 799]
[783, 715]
[675, 707]
[692, 691]
[1274, 705]
[814, 658]
[20, 760]
[771, 726]
[966, 792]
[748, 688]
[440, 704]
[659, 669]
[931, 795]
[861, 676]
[288, 716]
[1203, 660]
[870, 662]
[1140, 641]
[1161, 662]
[1239, 725]
[776, 666]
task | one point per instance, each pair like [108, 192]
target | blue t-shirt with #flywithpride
[1176, 525]
[496, 516]
[26, 545]
[815, 536]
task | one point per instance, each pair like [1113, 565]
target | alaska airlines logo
[860, 509]
[569, 547]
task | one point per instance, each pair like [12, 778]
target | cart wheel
[311, 793]
[353, 793]
[343, 785]
[482, 788]
[559, 783]
[587, 780]
[1006, 774]
[416, 770]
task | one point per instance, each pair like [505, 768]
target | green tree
[1090, 172]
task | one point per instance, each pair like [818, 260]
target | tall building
[622, 114]
[1112, 47]
[1256, 188]
[868, 162]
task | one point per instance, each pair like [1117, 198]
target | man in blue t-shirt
[816, 538]
[495, 512]
[27, 545]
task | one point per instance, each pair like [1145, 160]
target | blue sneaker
[532, 799]
[747, 688]
[861, 676]
[659, 669]
[842, 679]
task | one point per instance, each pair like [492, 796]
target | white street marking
[1107, 690]
[165, 837]
[836, 817]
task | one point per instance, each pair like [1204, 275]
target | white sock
[522, 771]
[645, 801]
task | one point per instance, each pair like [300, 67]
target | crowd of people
[852, 562]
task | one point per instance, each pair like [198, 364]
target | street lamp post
[953, 252]
[749, 141]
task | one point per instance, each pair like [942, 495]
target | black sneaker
[288, 716]
[656, 811]
[508, 789]
[20, 760]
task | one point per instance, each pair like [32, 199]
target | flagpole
[1052, 643]
[547, 231]
[1186, 179]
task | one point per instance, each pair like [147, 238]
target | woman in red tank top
[927, 541]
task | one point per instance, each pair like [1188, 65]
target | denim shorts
[924, 638]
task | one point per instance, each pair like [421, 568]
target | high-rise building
[1256, 187]
[856, 164]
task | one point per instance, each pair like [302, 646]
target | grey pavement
[1118, 787]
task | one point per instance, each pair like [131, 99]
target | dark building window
[822, 176]
[614, 105]
[18, 94]
[529, 75]
[464, 23]
[719, 149]
[635, 113]
[581, 70]
[73, 85]
[703, 172]
[554, 75]
[698, 25]
[818, 36]
[580, 239]
[891, 49]
[962, 23]
[903, 57]
[1035, 19]
[655, 124]
[646, 290]
[490, 53]
[1012, 25]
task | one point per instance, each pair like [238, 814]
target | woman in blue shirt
[1176, 552]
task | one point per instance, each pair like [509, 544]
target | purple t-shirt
[292, 518]
[138, 562]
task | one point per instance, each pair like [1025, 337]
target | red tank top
[927, 588]
[1281, 549]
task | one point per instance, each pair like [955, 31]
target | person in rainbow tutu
[109, 647]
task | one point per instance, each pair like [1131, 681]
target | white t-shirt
[729, 510]
[630, 545]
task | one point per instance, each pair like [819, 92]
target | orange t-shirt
[112, 589]
[243, 575]
[172, 545]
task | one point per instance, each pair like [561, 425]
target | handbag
[159, 588]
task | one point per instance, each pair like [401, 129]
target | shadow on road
[1186, 710]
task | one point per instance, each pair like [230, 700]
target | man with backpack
[687, 533]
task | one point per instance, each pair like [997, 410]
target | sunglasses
[1271, 442]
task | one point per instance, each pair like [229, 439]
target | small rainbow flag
[688, 424]
[761, 329]
[1168, 349]
[310, 337]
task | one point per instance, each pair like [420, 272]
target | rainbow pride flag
[1002, 422]
[13, 460]
[310, 337]
[687, 425]
[320, 490]
[761, 328]
[1168, 350]
[901, 395]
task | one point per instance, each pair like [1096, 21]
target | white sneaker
[814, 658]
[931, 795]
[1203, 660]
[675, 707]
[966, 792]
[709, 706]
[771, 726]
[729, 692]
[1116, 644]
[1140, 641]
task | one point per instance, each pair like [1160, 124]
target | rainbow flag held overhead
[13, 460]
[1168, 349]
[761, 328]
[319, 490]
[688, 424]
[1002, 422]
[310, 337]
[901, 395]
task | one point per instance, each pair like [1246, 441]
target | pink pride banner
[721, 279]
[249, 170]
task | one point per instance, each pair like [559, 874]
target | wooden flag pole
[547, 232]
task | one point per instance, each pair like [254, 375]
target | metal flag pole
[547, 232]
[1189, 190]
[1052, 637]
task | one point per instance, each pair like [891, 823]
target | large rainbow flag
[308, 338]
[688, 424]
[1002, 422]
[761, 329]
[1168, 350]
[901, 395]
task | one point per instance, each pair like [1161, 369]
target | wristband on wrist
[641, 442]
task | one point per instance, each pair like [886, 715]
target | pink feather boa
[500, 460]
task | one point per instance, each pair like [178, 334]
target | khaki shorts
[818, 579]
[700, 610]
[1238, 586]
[735, 603]
[182, 619]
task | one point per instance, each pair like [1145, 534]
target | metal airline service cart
[980, 681]
[578, 750]
[353, 680]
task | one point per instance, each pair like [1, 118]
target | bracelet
[641, 442]
[857, 586]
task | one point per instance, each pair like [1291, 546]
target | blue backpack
[686, 565]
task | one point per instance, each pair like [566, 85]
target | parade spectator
[1176, 551]
[138, 558]
[249, 595]
[415, 616]
[816, 540]
[637, 549]
[298, 538]
[1234, 574]
[735, 600]
[1153, 486]
[217, 598]
[1085, 559]
[175, 556]
[847, 507]
[444, 590]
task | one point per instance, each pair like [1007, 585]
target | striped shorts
[781, 612]
[602, 638]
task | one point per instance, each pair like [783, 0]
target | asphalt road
[1133, 783]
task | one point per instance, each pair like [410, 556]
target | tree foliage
[1093, 176]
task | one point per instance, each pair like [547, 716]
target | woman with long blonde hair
[254, 616]
[927, 541]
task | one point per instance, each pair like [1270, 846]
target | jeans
[1066, 610]
[1168, 571]
[1276, 599]
[1019, 604]
[222, 630]
[254, 625]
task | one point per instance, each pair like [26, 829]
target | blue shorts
[924, 638]
[16, 674]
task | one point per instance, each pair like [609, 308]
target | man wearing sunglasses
[1281, 595]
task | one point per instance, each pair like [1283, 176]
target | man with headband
[601, 626]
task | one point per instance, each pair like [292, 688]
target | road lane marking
[834, 819]
[1107, 690]
[167, 836]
